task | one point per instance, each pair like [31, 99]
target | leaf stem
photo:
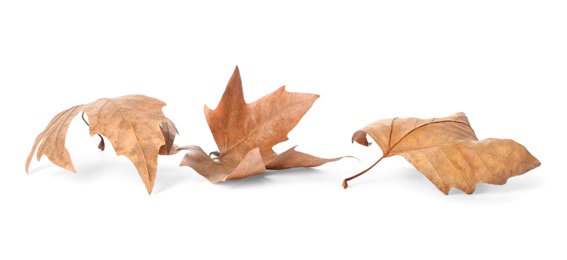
[101, 144]
[345, 184]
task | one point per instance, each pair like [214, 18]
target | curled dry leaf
[135, 125]
[245, 134]
[169, 131]
[447, 151]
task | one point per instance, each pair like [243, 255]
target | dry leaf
[447, 151]
[135, 125]
[169, 131]
[246, 133]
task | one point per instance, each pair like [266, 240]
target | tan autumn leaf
[134, 124]
[447, 151]
[169, 131]
[245, 134]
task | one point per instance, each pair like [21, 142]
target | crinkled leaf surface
[245, 134]
[134, 124]
[447, 151]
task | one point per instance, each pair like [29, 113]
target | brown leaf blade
[490, 161]
[294, 159]
[131, 123]
[240, 129]
[218, 171]
[447, 151]
[52, 140]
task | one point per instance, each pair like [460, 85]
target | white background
[503, 63]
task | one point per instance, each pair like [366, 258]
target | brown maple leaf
[447, 151]
[245, 134]
[135, 125]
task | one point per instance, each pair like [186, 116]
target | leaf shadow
[408, 178]
[255, 180]
[271, 177]
[41, 167]
[513, 185]
[294, 171]
[118, 168]
[411, 179]
[169, 176]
